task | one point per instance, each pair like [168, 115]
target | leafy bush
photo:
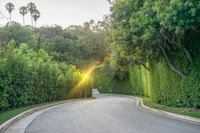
[29, 77]
[105, 83]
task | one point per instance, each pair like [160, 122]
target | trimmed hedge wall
[161, 84]
[165, 87]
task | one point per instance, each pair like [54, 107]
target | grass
[192, 112]
[4, 116]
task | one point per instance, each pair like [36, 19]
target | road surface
[106, 114]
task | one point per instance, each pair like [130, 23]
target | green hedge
[102, 82]
[159, 83]
[106, 84]
[165, 87]
[29, 77]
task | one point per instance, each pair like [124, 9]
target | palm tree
[36, 15]
[92, 21]
[111, 2]
[31, 7]
[23, 11]
[92, 24]
[10, 7]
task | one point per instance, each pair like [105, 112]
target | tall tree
[152, 30]
[23, 11]
[31, 7]
[36, 15]
[86, 25]
[10, 7]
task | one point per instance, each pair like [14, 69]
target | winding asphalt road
[106, 114]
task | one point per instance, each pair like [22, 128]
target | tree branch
[143, 64]
[194, 29]
[187, 53]
[140, 63]
[171, 42]
[145, 67]
[169, 63]
[167, 47]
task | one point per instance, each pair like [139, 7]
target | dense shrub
[106, 84]
[159, 83]
[102, 82]
[166, 87]
[29, 77]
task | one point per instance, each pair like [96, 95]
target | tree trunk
[178, 44]
[32, 20]
[10, 18]
[35, 24]
[23, 20]
[169, 63]
[187, 53]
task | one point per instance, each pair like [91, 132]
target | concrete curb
[141, 105]
[12, 121]
[168, 114]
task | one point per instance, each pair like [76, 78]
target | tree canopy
[150, 30]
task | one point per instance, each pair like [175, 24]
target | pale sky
[61, 12]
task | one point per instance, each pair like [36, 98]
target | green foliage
[122, 87]
[102, 82]
[29, 77]
[159, 41]
[136, 80]
[18, 33]
[77, 45]
[152, 30]
[106, 84]
[4, 116]
[39, 65]
[190, 87]
[166, 87]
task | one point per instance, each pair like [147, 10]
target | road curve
[106, 114]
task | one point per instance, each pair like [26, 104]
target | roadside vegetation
[155, 46]
[192, 112]
[31, 77]
[144, 48]
[4, 116]
[40, 65]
